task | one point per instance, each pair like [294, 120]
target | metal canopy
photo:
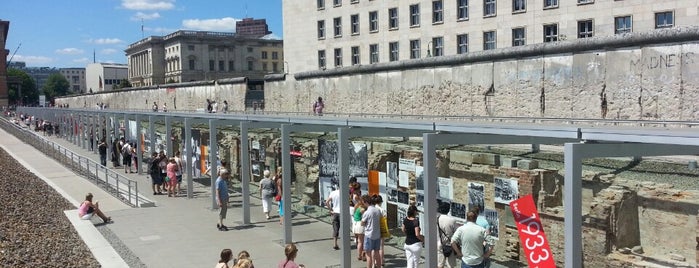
[598, 142]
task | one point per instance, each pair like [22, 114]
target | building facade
[340, 33]
[76, 79]
[252, 27]
[4, 93]
[185, 56]
[104, 76]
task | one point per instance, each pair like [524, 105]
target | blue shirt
[222, 187]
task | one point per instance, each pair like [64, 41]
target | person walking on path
[371, 219]
[278, 182]
[222, 198]
[102, 148]
[318, 107]
[268, 190]
[467, 243]
[413, 237]
[88, 209]
[290, 251]
[446, 226]
[333, 203]
[226, 256]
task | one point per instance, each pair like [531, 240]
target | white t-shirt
[334, 199]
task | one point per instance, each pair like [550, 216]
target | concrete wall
[658, 82]
[183, 97]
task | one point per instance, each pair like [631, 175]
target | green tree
[56, 86]
[124, 83]
[30, 94]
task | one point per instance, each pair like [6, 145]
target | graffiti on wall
[662, 61]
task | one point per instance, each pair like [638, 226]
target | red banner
[531, 233]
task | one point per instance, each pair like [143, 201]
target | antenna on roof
[94, 56]
[246, 9]
[142, 35]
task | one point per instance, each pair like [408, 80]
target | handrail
[121, 187]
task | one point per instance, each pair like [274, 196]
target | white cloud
[81, 60]
[144, 16]
[108, 51]
[221, 25]
[69, 51]
[160, 30]
[106, 41]
[32, 60]
[271, 37]
[148, 4]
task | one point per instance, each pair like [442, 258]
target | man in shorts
[371, 219]
[222, 198]
[333, 203]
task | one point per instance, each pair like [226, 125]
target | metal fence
[119, 186]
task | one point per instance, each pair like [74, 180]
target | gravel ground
[34, 232]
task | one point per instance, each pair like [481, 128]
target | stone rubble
[34, 232]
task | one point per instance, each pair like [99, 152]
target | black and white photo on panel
[392, 175]
[506, 190]
[476, 196]
[491, 216]
[458, 210]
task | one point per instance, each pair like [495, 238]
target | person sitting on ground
[88, 209]
[226, 256]
[290, 251]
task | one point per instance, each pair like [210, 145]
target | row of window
[622, 24]
[435, 47]
[663, 19]
[275, 55]
[231, 66]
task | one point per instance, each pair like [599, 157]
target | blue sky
[64, 33]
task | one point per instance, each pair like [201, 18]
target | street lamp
[429, 51]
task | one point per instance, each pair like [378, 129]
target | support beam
[343, 181]
[572, 200]
[187, 153]
[139, 147]
[245, 170]
[430, 232]
[213, 164]
[286, 183]
[168, 136]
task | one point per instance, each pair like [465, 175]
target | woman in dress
[172, 175]
[413, 237]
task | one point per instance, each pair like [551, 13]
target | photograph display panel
[476, 196]
[392, 175]
[446, 188]
[506, 190]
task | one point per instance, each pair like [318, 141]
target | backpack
[125, 151]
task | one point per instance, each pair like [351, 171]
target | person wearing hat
[222, 197]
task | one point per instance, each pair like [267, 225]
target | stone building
[104, 76]
[339, 33]
[76, 78]
[186, 56]
[4, 97]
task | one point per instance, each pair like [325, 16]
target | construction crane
[13, 54]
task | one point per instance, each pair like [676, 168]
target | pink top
[171, 170]
[287, 264]
[82, 210]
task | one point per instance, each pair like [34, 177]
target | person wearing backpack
[447, 226]
[126, 157]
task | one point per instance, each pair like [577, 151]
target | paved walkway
[180, 232]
